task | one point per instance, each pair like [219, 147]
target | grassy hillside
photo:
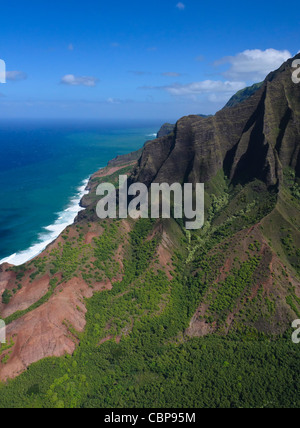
[243, 95]
[147, 343]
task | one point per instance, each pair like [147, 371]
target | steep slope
[166, 129]
[45, 310]
[248, 156]
[161, 298]
[255, 139]
[243, 95]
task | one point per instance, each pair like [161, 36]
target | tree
[6, 296]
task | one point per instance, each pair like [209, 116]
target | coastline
[51, 232]
[65, 218]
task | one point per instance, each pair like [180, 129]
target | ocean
[44, 169]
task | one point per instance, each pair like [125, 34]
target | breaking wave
[51, 232]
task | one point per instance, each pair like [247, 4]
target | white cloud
[254, 64]
[72, 80]
[180, 6]
[205, 87]
[15, 76]
[215, 91]
[243, 68]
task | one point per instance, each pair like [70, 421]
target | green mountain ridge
[123, 313]
[243, 95]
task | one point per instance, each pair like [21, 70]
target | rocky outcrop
[125, 159]
[165, 130]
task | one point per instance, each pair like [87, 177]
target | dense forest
[133, 351]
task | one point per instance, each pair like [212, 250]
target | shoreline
[68, 216]
[51, 232]
[65, 218]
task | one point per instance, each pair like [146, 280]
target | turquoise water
[44, 168]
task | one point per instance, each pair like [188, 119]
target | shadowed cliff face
[255, 139]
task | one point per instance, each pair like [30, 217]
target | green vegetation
[152, 366]
[243, 95]
[208, 372]
[234, 285]
[294, 302]
[106, 245]
[135, 352]
[6, 296]
[214, 328]
[4, 356]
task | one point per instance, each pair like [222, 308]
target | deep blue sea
[44, 168]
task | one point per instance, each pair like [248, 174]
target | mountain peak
[257, 138]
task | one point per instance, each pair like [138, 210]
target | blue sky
[138, 60]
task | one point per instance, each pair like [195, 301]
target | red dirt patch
[106, 172]
[7, 280]
[199, 327]
[27, 296]
[43, 332]
[165, 260]
[106, 339]
[90, 236]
